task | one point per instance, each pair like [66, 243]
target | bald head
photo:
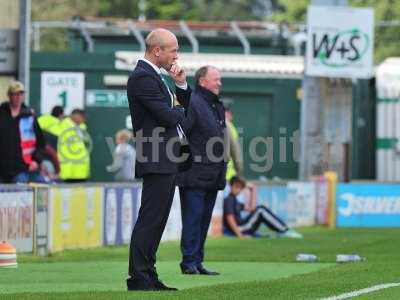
[161, 48]
[159, 38]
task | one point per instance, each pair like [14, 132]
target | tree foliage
[60, 10]
[289, 11]
[386, 36]
[201, 10]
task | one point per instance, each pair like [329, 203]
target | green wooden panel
[103, 123]
[364, 134]
[267, 110]
[253, 115]
[111, 45]
[72, 61]
[217, 44]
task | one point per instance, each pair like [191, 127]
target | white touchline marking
[363, 291]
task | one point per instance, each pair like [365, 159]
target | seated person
[241, 227]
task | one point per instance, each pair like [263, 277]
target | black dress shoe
[134, 284]
[189, 270]
[160, 286]
[204, 271]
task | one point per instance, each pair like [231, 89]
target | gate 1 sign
[62, 88]
[340, 42]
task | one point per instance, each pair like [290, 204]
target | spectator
[50, 125]
[124, 157]
[235, 163]
[21, 139]
[50, 167]
[73, 148]
[241, 227]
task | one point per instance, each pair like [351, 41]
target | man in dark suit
[199, 185]
[157, 133]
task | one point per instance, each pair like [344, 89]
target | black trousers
[157, 195]
[262, 215]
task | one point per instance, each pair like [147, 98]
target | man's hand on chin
[178, 74]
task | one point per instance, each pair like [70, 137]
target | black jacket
[150, 107]
[11, 162]
[205, 122]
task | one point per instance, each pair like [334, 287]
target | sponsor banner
[121, 207]
[216, 225]
[295, 203]
[321, 194]
[16, 217]
[75, 217]
[340, 49]
[275, 198]
[301, 203]
[41, 219]
[368, 205]
[174, 224]
[173, 227]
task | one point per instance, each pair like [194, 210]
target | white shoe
[291, 234]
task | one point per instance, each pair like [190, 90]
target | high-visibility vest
[50, 124]
[72, 151]
[230, 169]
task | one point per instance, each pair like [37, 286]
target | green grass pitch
[250, 269]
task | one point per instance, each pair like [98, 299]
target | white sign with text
[340, 42]
[62, 88]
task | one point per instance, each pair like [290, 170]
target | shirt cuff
[183, 86]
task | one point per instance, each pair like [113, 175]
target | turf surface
[251, 269]
[86, 276]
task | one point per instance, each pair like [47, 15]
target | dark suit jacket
[150, 107]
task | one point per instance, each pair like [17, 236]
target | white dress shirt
[171, 95]
[158, 71]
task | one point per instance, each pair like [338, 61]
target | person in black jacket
[198, 186]
[21, 139]
[156, 126]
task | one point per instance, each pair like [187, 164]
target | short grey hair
[200, 73]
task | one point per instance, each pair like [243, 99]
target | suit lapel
[144, 65]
